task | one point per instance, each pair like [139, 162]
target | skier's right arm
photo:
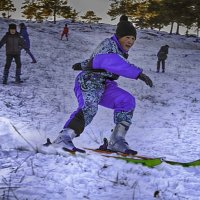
[86, 65]
[81, 65]
[3, 41]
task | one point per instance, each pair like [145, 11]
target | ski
[103, 151]
[144, 160]
[131, 157]
[72, 151]
[109, 152]
[151, 162]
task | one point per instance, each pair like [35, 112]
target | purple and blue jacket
[110, 57]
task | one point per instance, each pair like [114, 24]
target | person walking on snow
[23, 32]
[65, 32]
[14, 42]
[96, 85]
[162, 56]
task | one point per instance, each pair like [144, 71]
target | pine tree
[31, 10]
[154, 15]
[46, 8]
[90, 17]
[184, 14]
[158, 13]
[7, 6]
[178, 12]
[196, 15]
[73, 15]
[121, 7]
[138, 16]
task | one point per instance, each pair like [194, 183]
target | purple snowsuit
[93, 87]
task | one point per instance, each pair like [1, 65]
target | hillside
[165, 122]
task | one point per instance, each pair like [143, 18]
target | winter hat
[125, 28]
[123, 18]
[22, 25]
[12, 26]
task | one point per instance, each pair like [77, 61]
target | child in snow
[14, 42]
[23, 32]
[96, 85]
[65, 32]
[162, 56]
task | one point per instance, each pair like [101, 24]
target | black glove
[77, 66]
[146, 79]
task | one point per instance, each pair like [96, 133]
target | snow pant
[64, 34]
[9, 59]
[31, 55]
[90, 93]
[163, 65]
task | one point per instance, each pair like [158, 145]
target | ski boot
[17, 76]
[18, 80]
[5, 81]
[117, 141]
[64, 141]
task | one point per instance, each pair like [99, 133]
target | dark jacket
[14, 43]
[23, 32]
[162, 54]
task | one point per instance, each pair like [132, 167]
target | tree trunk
[172, 25]
[54, 15]
[54, 19]
[177, 30]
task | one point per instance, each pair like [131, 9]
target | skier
[162, 56]
[65, 32]
[23, 32]
[96, 85]
[14, 42]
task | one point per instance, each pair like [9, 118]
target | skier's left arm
[116, 64]
[146, 79]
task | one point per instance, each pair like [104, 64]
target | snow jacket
[14, 43]
[65, 30]
[110, 59]
[23, 32]
[162, 53]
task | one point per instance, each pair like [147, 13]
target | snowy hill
[165, 122]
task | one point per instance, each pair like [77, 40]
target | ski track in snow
[165, 122]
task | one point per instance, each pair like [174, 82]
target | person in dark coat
[14, 43]
[23, 32]
[162, 56]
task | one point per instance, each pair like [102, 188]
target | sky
[100, 7]
[165, 121]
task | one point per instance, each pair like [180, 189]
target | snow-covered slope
[165, 122]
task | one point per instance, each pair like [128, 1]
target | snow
[165, 122]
